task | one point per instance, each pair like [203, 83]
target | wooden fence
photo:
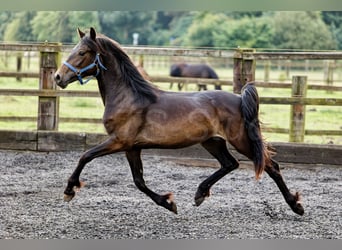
[244, 61]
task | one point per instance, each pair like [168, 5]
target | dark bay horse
[138, 116]
[200, 70]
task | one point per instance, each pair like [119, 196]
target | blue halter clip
[97, 63]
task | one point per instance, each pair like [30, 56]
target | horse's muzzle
[59, 81]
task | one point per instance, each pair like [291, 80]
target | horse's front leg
[107, 147]
[134, 160]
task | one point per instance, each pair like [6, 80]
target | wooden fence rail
[243, 71]
[190, 80]
[171, 51]
[263, 100]
[57, 141]
[80, 93]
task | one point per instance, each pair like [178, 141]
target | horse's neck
[122, 85]
[102, 92]
[113, 91]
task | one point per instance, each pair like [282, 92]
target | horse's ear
[92, 33]
[80, 33]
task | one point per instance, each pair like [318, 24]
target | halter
[97, 63]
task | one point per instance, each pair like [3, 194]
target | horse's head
[176, 69]
[83, 61]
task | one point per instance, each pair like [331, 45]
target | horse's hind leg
[292, 199]
[216, 147]
[134, 160]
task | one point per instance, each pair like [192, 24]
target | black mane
[142, 90]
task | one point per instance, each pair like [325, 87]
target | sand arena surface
[110, 206]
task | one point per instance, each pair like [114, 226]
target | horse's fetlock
[73, 182]
[69, 191]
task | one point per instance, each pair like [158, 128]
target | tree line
[304, 30]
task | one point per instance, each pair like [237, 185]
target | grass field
[275, 116]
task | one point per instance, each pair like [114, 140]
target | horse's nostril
[57, 77]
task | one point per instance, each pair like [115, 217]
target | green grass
[275, 116]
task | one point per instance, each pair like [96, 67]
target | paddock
[111, 207]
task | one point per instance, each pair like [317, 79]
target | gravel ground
[110, 206]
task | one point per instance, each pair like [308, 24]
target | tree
[51, 26]
[83, 20]
[201, 31]
[334, 20]
[5, 18]
[17, 29]
[249, 32]
[220, 30]
[10, 34]
[60, 26]
[301, 30]
[242, 14]
[171, 32]
[121, 25]
[163, 19]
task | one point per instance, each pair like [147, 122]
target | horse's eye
[82, 53]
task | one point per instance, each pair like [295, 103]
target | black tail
[250, 111]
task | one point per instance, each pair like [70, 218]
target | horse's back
[205, 71]
[204, 99]
[193, 70]
[223, 100]
[199, 70]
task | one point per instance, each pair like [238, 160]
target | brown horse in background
[138, 116]
[200, 70]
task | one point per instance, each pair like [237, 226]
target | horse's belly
[176, 135]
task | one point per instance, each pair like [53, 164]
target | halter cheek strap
[97, 63]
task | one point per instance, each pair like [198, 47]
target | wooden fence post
[297, 114]
[287, 68]
[244, 69]
[48, 107]
[329, 73]
[19, 64]
[267, 67]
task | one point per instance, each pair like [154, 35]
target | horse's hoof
[69, 193]
[68, 197]
[200, 197]
[81, 185]
[168, 203]
[173, 207]
[298, 208]
[199, 200]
